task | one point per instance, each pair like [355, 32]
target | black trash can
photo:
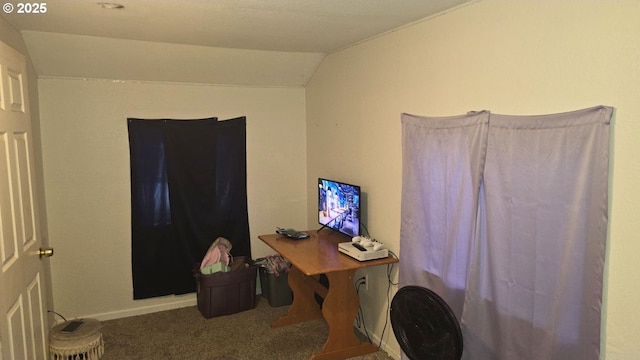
[274, 280]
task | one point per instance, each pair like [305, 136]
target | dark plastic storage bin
[226, 293]
[276, 288]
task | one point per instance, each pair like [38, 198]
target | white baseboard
[147, 309]
[392, 352]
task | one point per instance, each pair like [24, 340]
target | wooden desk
[319, 255]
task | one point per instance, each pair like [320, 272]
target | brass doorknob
[47, 252]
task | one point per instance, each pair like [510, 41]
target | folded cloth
[218, 251]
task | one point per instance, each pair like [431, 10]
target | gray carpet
[186, 334]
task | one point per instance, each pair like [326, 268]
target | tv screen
[339, 206]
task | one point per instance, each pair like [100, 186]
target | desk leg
[304, 306]
[340, 308]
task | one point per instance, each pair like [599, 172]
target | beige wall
[510, 57]
[87, 184]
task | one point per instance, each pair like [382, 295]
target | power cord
[365, 229]
[390, 282]
[53, 312]
[360, 317]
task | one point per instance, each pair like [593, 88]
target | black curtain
[188, 187]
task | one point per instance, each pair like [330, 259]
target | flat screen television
[339, 206]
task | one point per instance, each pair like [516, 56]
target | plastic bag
[274, 264]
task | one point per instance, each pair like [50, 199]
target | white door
[23, 330]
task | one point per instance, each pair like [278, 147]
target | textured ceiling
[281, 25]
[300, 31]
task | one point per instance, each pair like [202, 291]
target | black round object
[424, 325]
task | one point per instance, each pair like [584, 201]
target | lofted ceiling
[235, 42]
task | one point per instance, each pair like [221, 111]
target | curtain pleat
[231, 212]
[190, 148]
[442, 167]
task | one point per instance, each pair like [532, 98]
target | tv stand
[325, 226]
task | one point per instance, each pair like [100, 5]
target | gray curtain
[506, 217]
